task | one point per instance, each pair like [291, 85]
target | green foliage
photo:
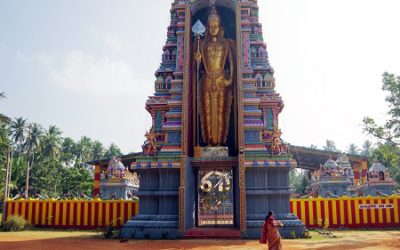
[56, 164]
[366, 148]
[112, 151]
[389, 156]
[3, 118]
[15, 223]
[353, 149]
[299, 180]
[76, 180]
[388, 135]
[330, 146]
[390, 131]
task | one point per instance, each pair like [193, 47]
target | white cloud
[84, 73]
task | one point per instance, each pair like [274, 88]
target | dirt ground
[92, 240]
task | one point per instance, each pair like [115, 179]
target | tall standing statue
[215, 54]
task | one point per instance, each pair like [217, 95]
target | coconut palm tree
[366, 148]
[18, 127]
[52, 142]
[84, 149]
[32, 143]
[353, 149]
[98, 151]
[3, 118]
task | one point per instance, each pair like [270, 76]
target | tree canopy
[56, 163]
[387, 151]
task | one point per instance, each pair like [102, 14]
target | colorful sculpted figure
[276, 141]
[215, 54]
[150, 145]
[270, 233]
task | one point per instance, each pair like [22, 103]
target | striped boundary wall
[347, 212]
[81, 214]
[361, 212]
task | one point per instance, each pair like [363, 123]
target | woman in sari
[270, 233]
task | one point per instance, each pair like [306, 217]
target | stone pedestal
[211, 152]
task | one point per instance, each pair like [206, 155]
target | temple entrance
[215, 197]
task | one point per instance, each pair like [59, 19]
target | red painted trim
[96, 192]
[111, 219]
[298, 210]
[53, 212]
[83, 213]
[75, 204]
[322, 212]
[384, 215]
[398, 211]
[353, 212]
[20, 209]
[314, 207]
[377, 214]
[68, 212]
[96, 214]
[47, 214]
[89, 220]
[33, 213]
[126, 207]
[391, 211]
[346, 212]
[40, 213]
[119, 219]
[62, 209]
[330, 205]
[369, 214]
[307, 215]
[338, 217]
[103, 215]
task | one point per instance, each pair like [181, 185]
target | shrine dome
[343, 161]
[116, 164]
[377, 167]
[331, 165]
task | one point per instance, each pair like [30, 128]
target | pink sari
[270, 234]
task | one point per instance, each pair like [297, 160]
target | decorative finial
[213, 10]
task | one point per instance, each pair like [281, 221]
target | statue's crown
[213, 14]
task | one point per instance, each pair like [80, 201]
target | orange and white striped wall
[360, 212]
[82, 214]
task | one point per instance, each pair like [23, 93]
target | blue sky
[88, 66]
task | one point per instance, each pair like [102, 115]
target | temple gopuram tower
[214, 155]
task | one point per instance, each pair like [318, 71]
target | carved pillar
[96, 190]
[184, 65]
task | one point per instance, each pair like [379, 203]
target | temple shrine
[213, 156]
[333, 178]
[377, 182]
[351, 178]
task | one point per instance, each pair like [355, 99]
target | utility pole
[6, 185]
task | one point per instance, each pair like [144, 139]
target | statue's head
[214, 23]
